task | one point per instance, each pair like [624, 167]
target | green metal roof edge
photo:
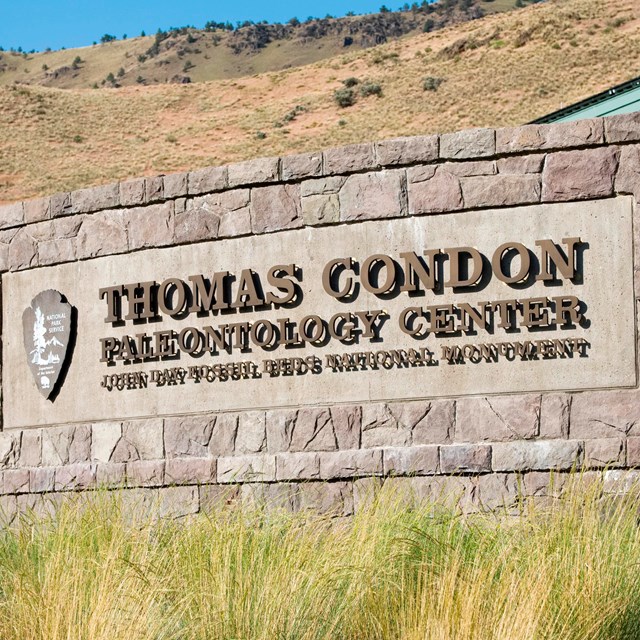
[598, 98]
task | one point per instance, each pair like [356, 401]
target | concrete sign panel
[534, 298]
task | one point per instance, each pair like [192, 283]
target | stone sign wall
[452, 313]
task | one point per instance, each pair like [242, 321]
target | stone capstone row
[466, 170]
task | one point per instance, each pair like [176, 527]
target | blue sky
[37, 24]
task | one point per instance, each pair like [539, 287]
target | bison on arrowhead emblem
[47, 326]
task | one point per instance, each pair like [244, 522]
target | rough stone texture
[434, 426]
[270, 496]
[354, 157]
[500, 190]
[60, 205]
[332, 498]
[16, 480]
[251, 436]
[95, 198]
[544, 483]
[141, 440]
[188, 436]
[30, 448]
[303, 165]
[497, 490]
[497, 418]
[472, 143]
[151, 226]
[517, 165]
[473, 168]
[258, 171]
[102, 234]
[604, 452]
[322, 186]
[36, 210]
[41, 480]
[543, 136]
[622, 128]
[539, 455]
[9, 449]
[351, 464]
[408, 150]
[380, 427]
[461, 458]
[297, 466]
[605, 414]
[206, 180]
[438, 193]
[23, 251]
[190, 470]
[111, 475]
[554, 415]
[56, 251]
[175, 185]
[75, 477]
[347, 426]
[312, 430]
[633, 451]
[318, 210]
[145, 473]
[275, 208]
[628, 176]
[373, 195]
[417, 460]
[66, 445]
[153, 189]
[11, 215]
[105, 437]
[579, 175]
[132, 192]
[260, 468]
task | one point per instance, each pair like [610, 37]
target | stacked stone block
[482, 451]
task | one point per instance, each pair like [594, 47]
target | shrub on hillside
[371, 89]
[345, 97]
[431, 83]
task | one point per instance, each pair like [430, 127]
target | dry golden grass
[510, 68]
[568, 571]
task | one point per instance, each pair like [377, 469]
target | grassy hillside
[501, 70]
[199, 55]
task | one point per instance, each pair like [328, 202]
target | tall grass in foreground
[571, 570]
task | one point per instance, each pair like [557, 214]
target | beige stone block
[331, 498]
[465, 458]
[250, 468]
[205, 180]
[538, 455]
[95, 198]
[303, 165]
[104, 438]
[497, 491]
[132, 192]
[604, 452]
[102, 234]
[350, 464]
[354, 157]
[313, 431]
[563, 135]
[605, 414]
[416, 460]
[145, 473]
[380, 427]
[190, 470]
[435, 426]
[178, 502]
[579, 175]
[150, 226]
[471, 143]
[23, 251]
[175, 185]
[622, 128]
[320, 209]
[555, 410]
[37, 210]
[374, 195]
[153, 189]
[251, 436]
[407, 150]
[258, 171]
[30, 448]
[297, 466]
[275, 208]
[500, 190]
[497, 418]
[436, 194]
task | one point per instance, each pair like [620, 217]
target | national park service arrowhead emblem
[47, 327]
